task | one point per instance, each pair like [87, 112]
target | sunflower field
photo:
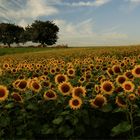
[71, 93]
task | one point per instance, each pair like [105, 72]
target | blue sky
[81, 22]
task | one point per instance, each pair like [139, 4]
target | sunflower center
[127, 87]
[71, 72]
[16, 97]
[121, 101]
[107, 87]
[61, 79]
[22, 84]
[2, 93]
[117, 69]
[137, 70]
[35, 85]
[121, 80]
[78, 92]
[129, 75]
[65, 88]
[75, 102]
[50, 94]
[99, 101]
[110, 71]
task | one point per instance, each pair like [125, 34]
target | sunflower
[52, 71]
[128, 86]
[97, 88]
[78, 92]
[22, 85]
[65, 88]
[75, 103]
[17, 97]
[99, 101]
[4, 92]
[45, 83]
[107, 87]
[116, 69]
[129, 75]
[15, 83]
[82, 80]
[110, 72]
[50, 95]
[35, 85]
[59, 78]
[136, 71]
[138, 91]
[121, 79]
[120, 101]
[71, 72]
[132, 97]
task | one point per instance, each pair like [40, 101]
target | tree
[43, 32]
[10, 33]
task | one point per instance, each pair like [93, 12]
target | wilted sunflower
[4, 92]
[71, 72]
[59, 78]
[136, 71]
[107, 87]
[120, 101]
[17, 97]
[99, 101]
[75, 103]
[121, 79]
[22, 85]
[50, 95]
[79, 92]
[128, 86]
[65, 88]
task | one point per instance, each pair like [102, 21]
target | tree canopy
[43, 32]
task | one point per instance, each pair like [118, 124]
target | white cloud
[83, 34]
[95, 3]
[32, 10]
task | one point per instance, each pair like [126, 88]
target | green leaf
[68, 133]
[32, 106]
[119, 110]
[65, 113]
[107, 108]
[120, 128]
[8, 106]
[58, 120]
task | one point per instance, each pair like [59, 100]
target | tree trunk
[9, 46]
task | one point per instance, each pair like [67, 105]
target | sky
[81, 22]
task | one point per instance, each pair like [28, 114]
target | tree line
[43, 32]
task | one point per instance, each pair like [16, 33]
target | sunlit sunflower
[136, 71]
[15, 83]
[79, 92]
[75, 103]
[97, 88]
[116, 69]
[110, 72]
[129, 75]
[107, 87]
[99, 101]
[132, 97]
[50, 95]
[52, 71]
[121, 79]
[120, 101]
[35, 85]
[128, 86]
[71, 72]
[59, 78]
[17, 97]
[82, 80]
[65, 88]
[4, 92]
[45, 84]
[22, 85]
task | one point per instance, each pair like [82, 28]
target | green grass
[5, 51]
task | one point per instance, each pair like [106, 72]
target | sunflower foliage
[76, 94]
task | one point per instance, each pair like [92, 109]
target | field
[70, 93]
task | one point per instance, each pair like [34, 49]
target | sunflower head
[121, 79]
[128, 86]
[136, 71]
[107, 87]
[50, 95]
[71, 72]
[116, 69]
[4, 92]
[22, 85]
[120, 101]
[35, 85]
[59, 78]
[78, 92]
[17, 97]
[99, 101]
[65, 88]
[75, 103]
